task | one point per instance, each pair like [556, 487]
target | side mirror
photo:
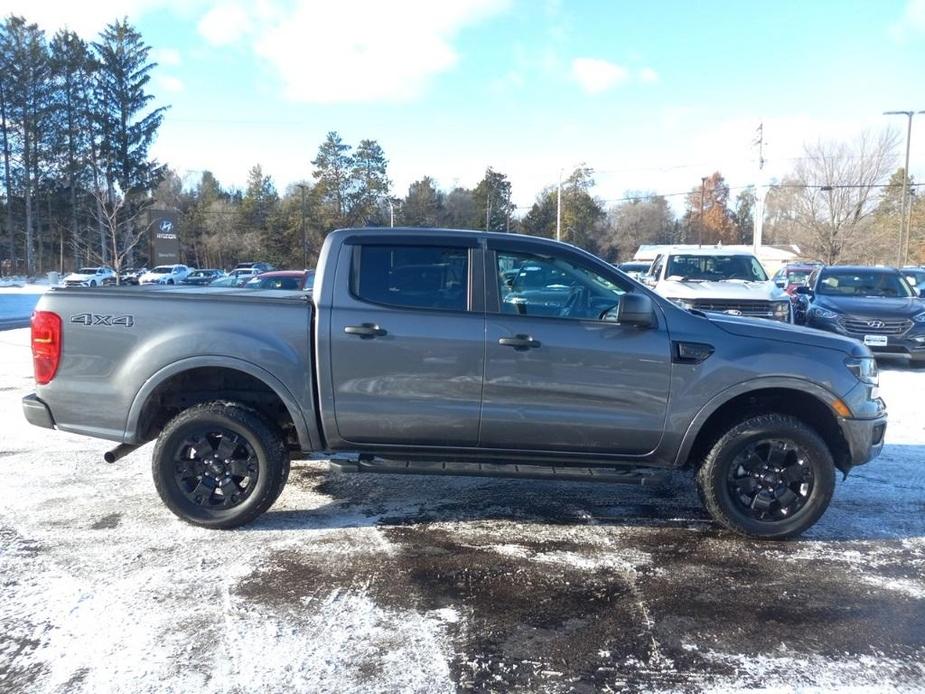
[636, 309]
[922, 293]
[803, 289]
[781, 284]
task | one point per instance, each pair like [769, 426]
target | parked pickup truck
[457, 352]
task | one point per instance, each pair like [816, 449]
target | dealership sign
[164, 237]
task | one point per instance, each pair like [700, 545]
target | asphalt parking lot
[360, 583]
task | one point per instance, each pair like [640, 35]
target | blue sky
[651, 95]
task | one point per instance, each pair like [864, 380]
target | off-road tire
[713, 474]
[272, 467]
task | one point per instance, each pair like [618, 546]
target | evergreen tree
[333, 168]
[423, 206]
[493, 202]
[370, 184]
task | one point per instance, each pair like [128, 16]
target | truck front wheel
[219, 465]
[769, 477]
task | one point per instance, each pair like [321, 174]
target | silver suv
[719, 280]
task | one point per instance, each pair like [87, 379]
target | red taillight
[46, 345]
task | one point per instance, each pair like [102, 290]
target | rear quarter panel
[146, 335]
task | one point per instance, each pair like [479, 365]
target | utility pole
[487, 208]
[905, 228]
[760, 194]
[559, 209]
[703, 187]
[304, 237]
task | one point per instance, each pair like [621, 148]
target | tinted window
[548, 286]
[412, 276]
[862, 283]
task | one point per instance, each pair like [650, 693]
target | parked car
[90, 277]
[165, 274]
[915, 276]
[872, 304]
[634, 269]
[794, 275]
[131, 275]
[244, 274]
[230, 281]
[201, 278]
[256, 267]
[403, 360]
[282, 279]
[718, 280]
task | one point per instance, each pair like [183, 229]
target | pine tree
[333, 168]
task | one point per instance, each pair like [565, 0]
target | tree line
[77, 121]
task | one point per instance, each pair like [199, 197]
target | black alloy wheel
[770, 479]
[220, 464]
[216, 468]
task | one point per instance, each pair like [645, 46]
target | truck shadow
[882, 500]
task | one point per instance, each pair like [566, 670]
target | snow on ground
[361, 583]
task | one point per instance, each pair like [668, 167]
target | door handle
[365, 330]
[519, 342]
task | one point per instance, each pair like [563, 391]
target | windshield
[798, 276]
[915, 278]
[87, 271]
[162, 270]
[715, 267]
[861, 283]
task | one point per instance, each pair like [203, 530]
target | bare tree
[117, 218]
[838, 186]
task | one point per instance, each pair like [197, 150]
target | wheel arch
[139, 424]
[808, 402]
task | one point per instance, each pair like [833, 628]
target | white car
[90, 277]
[165, 274]
[720, 280]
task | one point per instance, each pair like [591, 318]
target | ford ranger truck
[456, 352]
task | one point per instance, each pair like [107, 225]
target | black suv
[875, 305]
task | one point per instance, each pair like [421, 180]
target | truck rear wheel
[769, 477]
[219, 465]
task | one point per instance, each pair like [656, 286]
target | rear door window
[428, 277]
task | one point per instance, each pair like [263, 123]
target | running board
[613, 474]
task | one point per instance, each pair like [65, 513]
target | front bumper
[865, 438]
[909, 345]
[37, 412]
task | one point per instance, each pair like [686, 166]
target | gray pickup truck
[456, 352]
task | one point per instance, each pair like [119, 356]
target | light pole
[304, 237]
[703, 186]
[559, 208]
[905, 228]
[391, 212]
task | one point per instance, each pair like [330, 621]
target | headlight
[682, 303]
[825, 313]
[919, 317]
[782, 310]
[865, 369]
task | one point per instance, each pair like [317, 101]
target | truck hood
[762, 329]
[723, 289]
[871, 306]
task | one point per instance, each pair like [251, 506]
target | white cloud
[912, 21]
[648, 75]
[357, 51]
[87, 18]
[166, 57]
[169, 83]
[596, 76]
[225, 24]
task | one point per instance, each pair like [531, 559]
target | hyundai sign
[165, 240]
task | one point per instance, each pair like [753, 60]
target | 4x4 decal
[97, 319]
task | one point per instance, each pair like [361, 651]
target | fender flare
[821, 393]
[217, 361]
